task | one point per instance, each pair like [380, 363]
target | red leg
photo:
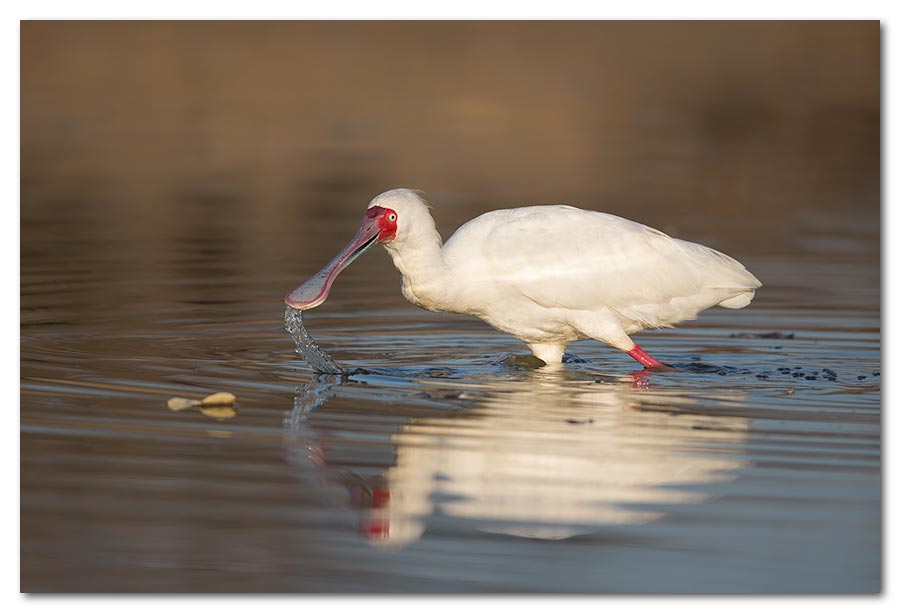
[644, 358]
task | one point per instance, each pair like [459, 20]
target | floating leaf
[219, 399]
[180, 404]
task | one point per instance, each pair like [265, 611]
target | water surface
[440, 465]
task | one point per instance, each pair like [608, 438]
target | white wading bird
[548, 275]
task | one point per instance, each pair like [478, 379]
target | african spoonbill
[548, 275]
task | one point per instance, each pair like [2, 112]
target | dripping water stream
[306, 346]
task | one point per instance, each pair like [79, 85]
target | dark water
[756, 468]
[167, 207]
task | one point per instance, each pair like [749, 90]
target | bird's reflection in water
[545, 457]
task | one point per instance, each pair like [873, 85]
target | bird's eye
[392, 217]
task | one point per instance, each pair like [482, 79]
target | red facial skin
[387, 222]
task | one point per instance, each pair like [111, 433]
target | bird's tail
[739, 301]
[728, 275]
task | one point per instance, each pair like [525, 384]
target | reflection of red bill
[376, 522]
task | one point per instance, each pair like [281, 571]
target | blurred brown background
[746, 130]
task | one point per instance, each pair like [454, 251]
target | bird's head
[392, 217]
[405, 213]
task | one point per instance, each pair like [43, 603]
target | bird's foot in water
[525, 362]
[647, 361]
[661, 368]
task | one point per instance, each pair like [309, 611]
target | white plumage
[549, 275]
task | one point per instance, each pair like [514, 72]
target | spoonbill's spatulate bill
[548, 275]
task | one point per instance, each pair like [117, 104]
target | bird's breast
[428, 295]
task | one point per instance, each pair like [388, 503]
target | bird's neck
[428, 281]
